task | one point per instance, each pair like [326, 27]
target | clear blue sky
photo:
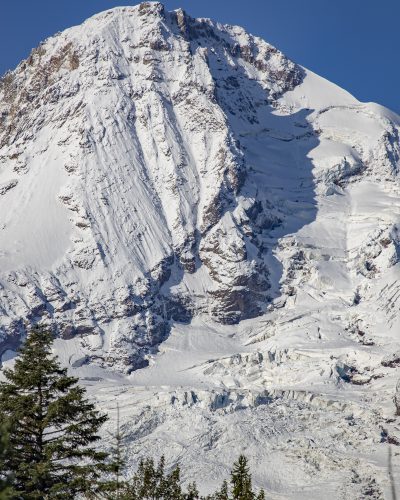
[354, 43]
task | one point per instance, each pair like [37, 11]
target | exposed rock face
[176, 192]
[120, 130]
[147, 175]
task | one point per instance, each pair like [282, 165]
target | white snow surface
[176, 193]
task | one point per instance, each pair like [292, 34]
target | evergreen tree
[172, 485]
[151, 482]
[192, 492]
[6, 491]
[53, 427]
[118, 462]
[116, 487]
[159, 479]
[147, 482]
[223, 493]
[241, 480]
[261, 495]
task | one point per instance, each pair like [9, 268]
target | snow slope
[212, 231]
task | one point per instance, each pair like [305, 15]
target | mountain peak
[181, 201]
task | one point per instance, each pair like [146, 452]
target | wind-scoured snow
[212, 231]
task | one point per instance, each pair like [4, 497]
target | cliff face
[148, 162]
[176, 192]
[123, 173]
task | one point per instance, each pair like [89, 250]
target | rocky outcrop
[145, 173]
[154, 167]
[212, 233]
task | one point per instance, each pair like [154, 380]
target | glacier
[212, 232]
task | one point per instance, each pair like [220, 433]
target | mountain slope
[120, 125]
[177, 193]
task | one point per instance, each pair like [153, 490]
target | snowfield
[212, 231]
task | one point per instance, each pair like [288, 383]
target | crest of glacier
[212, 232]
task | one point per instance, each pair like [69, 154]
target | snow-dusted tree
[52, 427]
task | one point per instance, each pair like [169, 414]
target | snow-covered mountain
[181, 202]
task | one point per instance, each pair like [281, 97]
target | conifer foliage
[151, 481]
[52, 426]
[241, 487]
[114, 487]
[48, 432]
[241, 480]
[6, 491]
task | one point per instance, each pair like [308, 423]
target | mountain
[212, 231]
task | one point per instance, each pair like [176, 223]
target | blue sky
[354, 43]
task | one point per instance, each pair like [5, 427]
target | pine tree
[147, 481]
[192, 492]
[173, 489]
[53, 427]
[116, 487]
[6, 491]
[151, 482]
[261, 495]
[118, 462]
[160, 479]
[241, 480]
[223, 493]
